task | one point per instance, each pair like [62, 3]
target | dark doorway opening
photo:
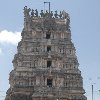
[49, 82]
[48, 36]
[49, 63]
[48, 48]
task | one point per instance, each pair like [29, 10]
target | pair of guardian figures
[34, 13]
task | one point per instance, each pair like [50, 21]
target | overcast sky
[85, 30]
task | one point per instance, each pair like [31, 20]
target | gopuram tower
[45, 66]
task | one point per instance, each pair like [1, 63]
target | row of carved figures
[35, 13]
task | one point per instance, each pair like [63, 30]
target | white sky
[85, 29]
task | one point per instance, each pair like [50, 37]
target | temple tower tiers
[45, 66]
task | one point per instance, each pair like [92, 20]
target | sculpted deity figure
[67, 19]
[32, 13]
[56, 15]
[65, 15]
[46, 14]
[42, 14]
[60, 15]
[36, 13]
[26, 11]
[51, 14]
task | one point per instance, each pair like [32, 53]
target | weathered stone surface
[45, 66]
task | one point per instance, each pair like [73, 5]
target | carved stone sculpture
[51, 14]
[60, 15]
[46, 14]
[42, 14]
[26, 11]
[32, 13]
[56, 15]
[36, 13]
[65, 15]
